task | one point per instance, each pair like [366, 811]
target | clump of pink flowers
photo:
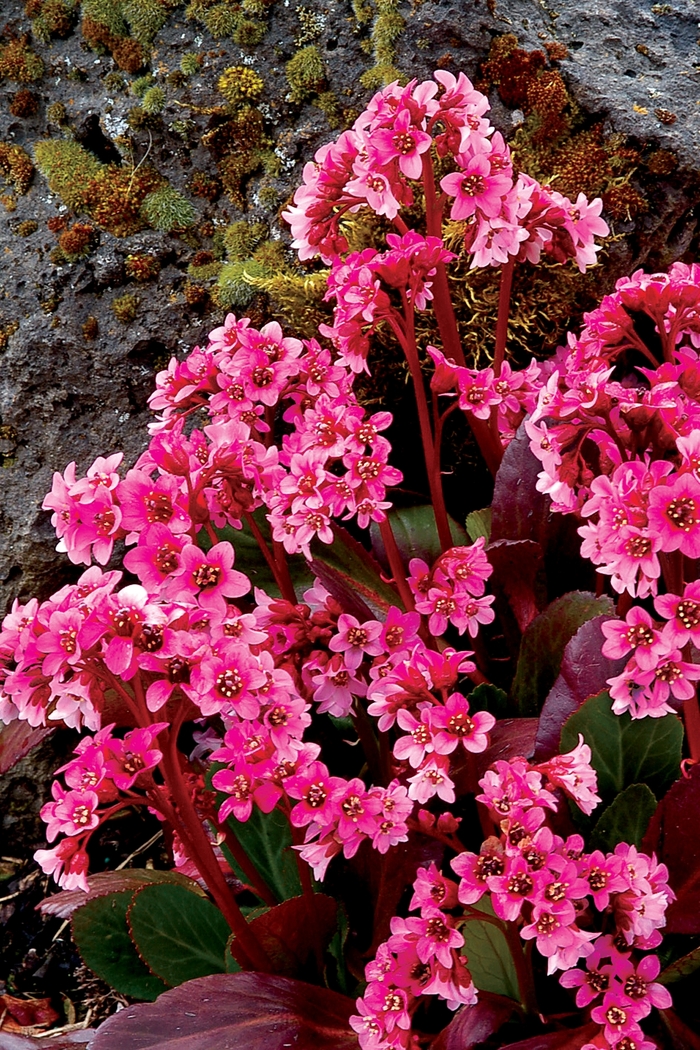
[263, 432]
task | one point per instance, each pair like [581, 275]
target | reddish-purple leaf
[584, 673]
[674, 835]
[682, 1037]
[16, 740]
[475, 1024]
[516, 566]
[563, 1039]
[288, 932]
[64, 903]
[240, 1011]
[519, 511]
[510, 737]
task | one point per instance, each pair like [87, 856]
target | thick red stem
[503, 313]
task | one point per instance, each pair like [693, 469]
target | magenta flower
[476, 186]
[404, 142]
[455, 725]
[210, 577]
[356, 640]
[674, 514]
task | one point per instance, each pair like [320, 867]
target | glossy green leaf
[488, 955]
[626, 819]
[102, 936]
[416, 535]
[267, 840]
[356, 571]
[681, 968]
[543, 645]
[488, 697]
[626, 751]
[179, 935]
[479, 524]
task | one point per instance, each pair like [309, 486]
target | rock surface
[66, 397]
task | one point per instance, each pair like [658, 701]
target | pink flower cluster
[656, 672]
[616, 427]
[541, 883]
[107, 768]
[453, 590]
[389, 147]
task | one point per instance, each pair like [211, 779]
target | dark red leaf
[474, 1024]
[340, 587]
[682, 1037]
[287, 933]
[674, 835]
[510, 737]
[240, 1011]
[16, 740]
[64, 903]
[564, 1039]
[584, 673]
[516, 566]
[519, 511]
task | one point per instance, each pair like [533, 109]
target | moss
[222, 21]
[175, 79]
[54, 18]
[237, 145]
[125, 307]
[241, 238]
[114, 82]
[23, 104]
[240, 84]
[183, 128]
[16, 167]
[153, 101]
[205, 272]
[306, 74]
[145, 18]
[166, 209]
[268, 197]
[328, 103]
[196, 296]
[77, 74]
[387, 26]
[141, 85]
[77, 241]
[141, 267]
[233, 291]
[191, 64]
[115, 196]
[27, 228]
[129, 55]
[7, 329]
[249, 33]
[19, 63]
[201, 184]
[68, 168]
[107, 13]
[91, 329]
[57, 113]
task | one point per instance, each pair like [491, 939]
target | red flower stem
[284, 584]
[431, 462]
[257, 883]
[691, 720]
[442, 300]
[526, 982]
[306, 886]
[396, 564]
[283, 568]
[199, 849]
[503, 313]
[365, 732]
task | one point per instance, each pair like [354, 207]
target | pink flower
[574, 774]
[476, 186]
[211, 577]
[674, 514]
[455, 726]
[403, 142]
[356, 640]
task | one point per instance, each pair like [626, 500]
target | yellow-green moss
[125, 307]
[153, 101]
[240, 84]
[16, 167]
[141, 267]
[306, 74]
[191, 64]
[68, 168]
[387, 26]
[19, 63]
[166, 209]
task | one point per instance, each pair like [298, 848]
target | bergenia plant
[439, 774]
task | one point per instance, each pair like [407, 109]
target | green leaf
[336, 974]
[416, 535]
[488, 955]
[356, 570]
[488, 697]
[267, 840]
[543, 645]
[682, 967]
[626, 751]
[625, 820]
[479, 524]
[102, 936]
[179, 936]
